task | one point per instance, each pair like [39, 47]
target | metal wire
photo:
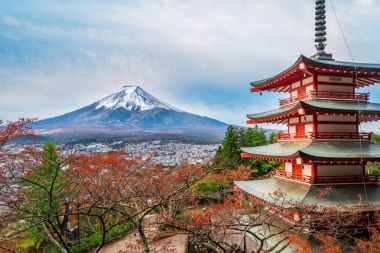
[356, 78]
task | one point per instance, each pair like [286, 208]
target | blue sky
[198, 55]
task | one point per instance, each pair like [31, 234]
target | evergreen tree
[273, 138]
[229, 153]
[44, 198]
[375, 138]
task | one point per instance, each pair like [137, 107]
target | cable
[356, 78]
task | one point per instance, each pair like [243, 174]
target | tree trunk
[55, 242]
[144, 240]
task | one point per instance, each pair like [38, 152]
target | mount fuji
[129, 113]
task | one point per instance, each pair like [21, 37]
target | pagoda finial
[320, 25]
[320, 30]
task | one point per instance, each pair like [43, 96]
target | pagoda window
[337, 118]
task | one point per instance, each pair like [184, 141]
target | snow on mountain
[129, 111]
[132, 98]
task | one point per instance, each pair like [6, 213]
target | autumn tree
[281, 225]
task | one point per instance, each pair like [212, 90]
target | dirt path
[171, 243]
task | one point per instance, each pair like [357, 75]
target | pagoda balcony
[326, 136]
[321, 180]
[326, 95]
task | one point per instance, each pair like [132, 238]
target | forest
[56, 202]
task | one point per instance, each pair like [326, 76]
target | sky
[197, 55]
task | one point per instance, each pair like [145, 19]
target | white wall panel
[289, 167]
[294, 120]
[309, 128]
[307, 80]
[306, 171]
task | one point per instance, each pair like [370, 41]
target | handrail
[342, 135]
[329, 179]
[285, 137]
[303, 178]
[326, 95]
[326, 136]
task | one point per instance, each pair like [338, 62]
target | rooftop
[325, 150]
[351, 197]
[305, 65]
[318, 105]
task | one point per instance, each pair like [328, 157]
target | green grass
[208, 186]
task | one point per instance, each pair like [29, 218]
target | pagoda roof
[321, 150]
[284, 112]
[310, 195]
[367, 73]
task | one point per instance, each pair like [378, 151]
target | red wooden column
[314, 172]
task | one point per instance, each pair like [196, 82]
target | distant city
[163, 152]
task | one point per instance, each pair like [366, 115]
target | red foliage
[371, 246]
[13, 130]
[303, 245]
[329, 244]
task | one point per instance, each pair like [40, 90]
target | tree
[42, 191]
[229, 153]
[33, 196]
[375, 138]
[282, 225]
[273, 138]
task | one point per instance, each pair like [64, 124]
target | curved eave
[368, 111]
[365, 67]
[341, 106]
[279, 150]
[338, 196]
[264, 84]
[341, 151]
[368, 74]
[270, 116]
[317, 151]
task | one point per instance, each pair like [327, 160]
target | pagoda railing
[346, 179]
[342, 136]
[301, 178]
[326, 95]
[293, 137]
[329, 179]
[326, 136]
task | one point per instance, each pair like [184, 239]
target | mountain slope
[129, 111]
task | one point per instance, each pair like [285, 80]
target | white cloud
[58, 56]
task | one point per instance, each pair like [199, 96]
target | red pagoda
[324, 146]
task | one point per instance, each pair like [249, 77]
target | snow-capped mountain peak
[132, 98]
